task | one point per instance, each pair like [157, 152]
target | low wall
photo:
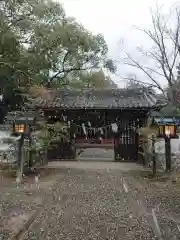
[161, 161]
[175, 145]
[160, 154]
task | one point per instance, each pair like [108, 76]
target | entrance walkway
[88, 204]
[95, 165]
[94, 201]
[96, 154]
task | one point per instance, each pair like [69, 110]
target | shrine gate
[107, 118]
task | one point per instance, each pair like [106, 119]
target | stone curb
[16, 235]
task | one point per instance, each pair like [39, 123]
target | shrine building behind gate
[95, 110]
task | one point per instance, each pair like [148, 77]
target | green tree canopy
[41, 44]
[88, 79]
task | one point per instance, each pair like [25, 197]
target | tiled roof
[169, 110]
[19, 116]
[99, 98]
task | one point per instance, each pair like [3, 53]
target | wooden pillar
[116, 146]
[137, 146]
[106, 123]
[19, 150]
[168, 153]
[30, 153]
[153, 156]
[20, 157]
[72, 139]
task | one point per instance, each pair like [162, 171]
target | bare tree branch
[61, 70]
[153, 70]
[139, 66]
[142, 83]
[165, 51]
[65, 72]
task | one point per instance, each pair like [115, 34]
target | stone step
[99, 159]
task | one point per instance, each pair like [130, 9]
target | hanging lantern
[167, 131]
[22, 125]
[166, 128]
[19, 128]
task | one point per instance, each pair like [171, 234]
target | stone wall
[175, 154]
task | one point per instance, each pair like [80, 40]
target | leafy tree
[85, 79]
[40, 44]
[48, 135]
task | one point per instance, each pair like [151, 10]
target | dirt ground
[162, 194]
[20, 202]
[111, 201]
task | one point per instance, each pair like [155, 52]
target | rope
[103, 127]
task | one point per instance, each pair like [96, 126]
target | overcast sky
[115, 19]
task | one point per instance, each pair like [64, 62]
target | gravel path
[161, 196]
[88, 204]
[18, 203]
[100, 204]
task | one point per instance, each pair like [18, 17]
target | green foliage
[95, 79]
[49, 135]
[40, 44]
